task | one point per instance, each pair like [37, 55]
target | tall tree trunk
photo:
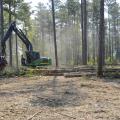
[16, 51]
[1, 24]
[112, 48]
[97, 40]
[110, 42]
[54, 29]
[101, 41]
[16, 40]
[10, 39]
[115, 38]
[43, 41]
[84, 31]
[117, 42]
[93, 43]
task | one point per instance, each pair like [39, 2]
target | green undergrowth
[12, 72]
[29, 72]
[112, 74]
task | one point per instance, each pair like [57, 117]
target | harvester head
[3, 63]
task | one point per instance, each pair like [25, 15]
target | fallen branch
[34, 115]
[65, 115]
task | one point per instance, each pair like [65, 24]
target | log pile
[78, 74]
[72, 72]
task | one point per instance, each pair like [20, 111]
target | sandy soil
[59, 98]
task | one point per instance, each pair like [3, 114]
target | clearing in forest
[59, 98]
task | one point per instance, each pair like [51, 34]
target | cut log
[71, 72]
[78, 74]
[53, 74]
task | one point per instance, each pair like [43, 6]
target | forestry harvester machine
[32, 58]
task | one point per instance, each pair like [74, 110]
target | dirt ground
[59, 98]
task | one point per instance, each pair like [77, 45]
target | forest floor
[59, 98]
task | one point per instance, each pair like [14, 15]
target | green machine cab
[34, 59]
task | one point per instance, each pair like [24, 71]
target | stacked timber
[72, 72]
[79, 74]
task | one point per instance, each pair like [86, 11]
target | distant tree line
[77, 30]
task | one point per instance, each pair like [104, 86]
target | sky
[35, 2]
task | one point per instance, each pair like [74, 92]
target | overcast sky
[35, 2]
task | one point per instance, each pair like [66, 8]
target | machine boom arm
[19, 33]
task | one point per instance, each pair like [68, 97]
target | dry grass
[59, 98]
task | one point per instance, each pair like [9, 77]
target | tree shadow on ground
[7, 94]
[112, 80]
[55, 93]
